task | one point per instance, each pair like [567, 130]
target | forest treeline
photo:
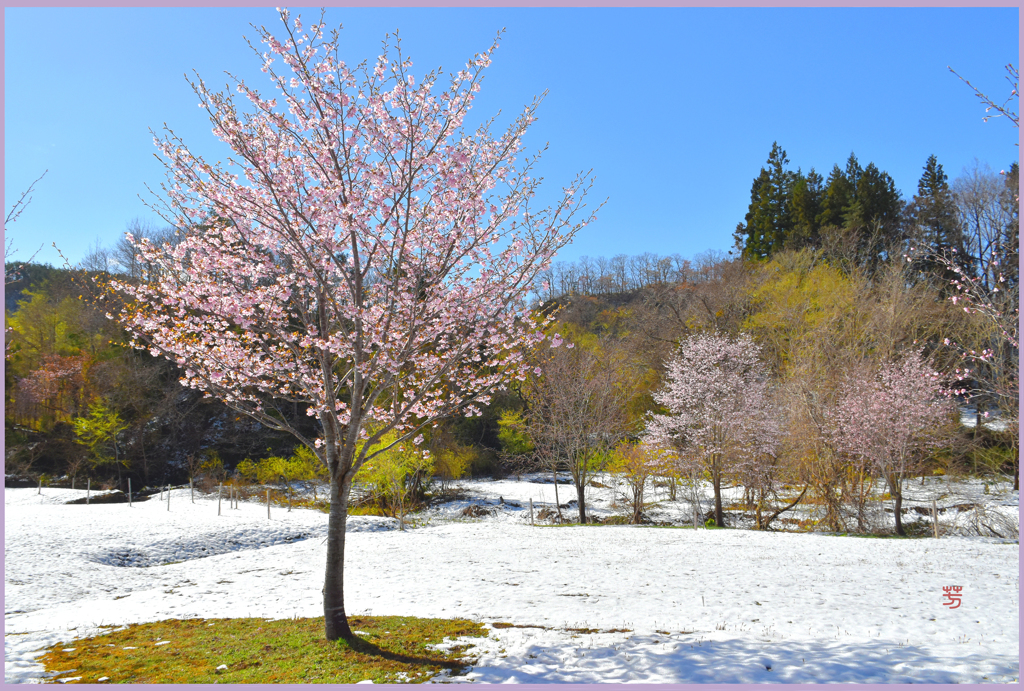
[834, 283]
[856, 218]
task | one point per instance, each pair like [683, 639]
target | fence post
[935, 518]
[191, 491]
[531, 511]
[168, 497]
[268, 504]
[88, 490]
[129, 492]
[220, 493]
[40, 485]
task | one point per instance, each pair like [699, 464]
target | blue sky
[674, 109]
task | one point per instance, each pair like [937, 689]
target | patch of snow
[563, 604]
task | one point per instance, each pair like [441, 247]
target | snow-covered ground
[688, 605]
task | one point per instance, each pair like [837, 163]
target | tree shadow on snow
[692, 659]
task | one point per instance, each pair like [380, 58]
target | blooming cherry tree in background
[889, 418]
[990, 374]
[360, 256]
[719, 407]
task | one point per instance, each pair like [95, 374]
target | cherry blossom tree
[360, 255]
[996, 303]
[990, 372]
[889, 418]
[719, 408]
[1004, 109]
[11, 275]
[12, 215]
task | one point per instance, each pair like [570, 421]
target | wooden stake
[40, 485]
[220, 493]
[168, 497]
[268, 504]
[191, 490]
[531, 511]
[935, 518]
[88, 490]
[129, 492]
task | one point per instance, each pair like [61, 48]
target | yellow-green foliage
[513, 433]
[392, 473]
[800, 301]
[454, 462]
[576, 335]
[98, 432]
[213, 466]
[634, 464]
[634, 376]
[303, 465]
[45, 326]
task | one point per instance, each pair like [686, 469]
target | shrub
[453, 463]
[397, 475]
[634, 464]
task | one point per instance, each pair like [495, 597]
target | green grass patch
[260, 651]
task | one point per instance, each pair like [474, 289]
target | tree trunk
[335, 622]
[768, 521]
[558, 507]
[1017, 468]
[581, 486]
[716, 479]
[638, 501]
[897, 498]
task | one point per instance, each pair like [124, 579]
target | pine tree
[835, 198]
[875, 211]
[932, 215]
[853, 170]
[805, 205]
[768, 220]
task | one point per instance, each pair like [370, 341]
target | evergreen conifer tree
[932, 215]
[835, 198]
[875, 211]
[805, 207]
[768, 220]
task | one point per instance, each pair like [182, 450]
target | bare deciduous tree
[578, 410]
